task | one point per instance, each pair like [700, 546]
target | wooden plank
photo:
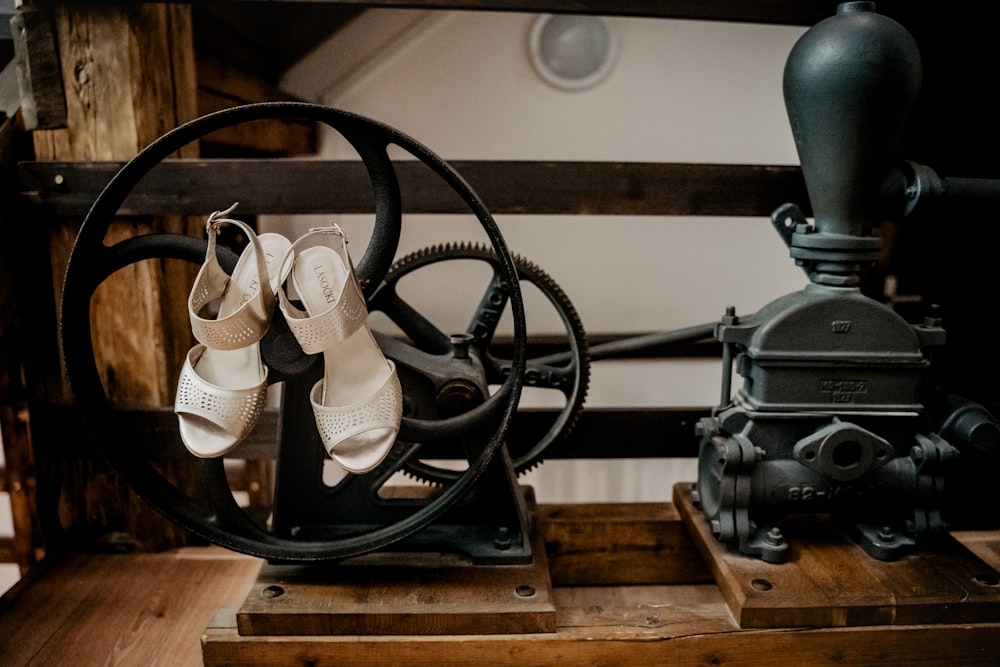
[43, 101]
[289, 186]
[602, 544]
[791, 12]
[695, 641]
[151, 609]
[137, 609]
[830, 581]
[402, 594]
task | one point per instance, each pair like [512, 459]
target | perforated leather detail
[244, 327]
[381, 410]
[235, 411]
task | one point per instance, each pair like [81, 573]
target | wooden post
[129, 76]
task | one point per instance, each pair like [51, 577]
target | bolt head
[774, 537]
[887, 535]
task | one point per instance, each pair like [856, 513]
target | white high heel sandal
[358, 403]
[223, 383]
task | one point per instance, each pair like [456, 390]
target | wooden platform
[400, 594]
[830, 581]
[179, 608]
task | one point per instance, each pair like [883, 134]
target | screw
[524, 591]
[886, 535]
[58, 179]
[716, 527]
[774, 537]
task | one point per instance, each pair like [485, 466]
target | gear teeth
[423, 478]
[529, 271]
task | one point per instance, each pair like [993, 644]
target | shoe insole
[241, 368]
[354, 369]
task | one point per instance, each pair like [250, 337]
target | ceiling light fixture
[572, 51]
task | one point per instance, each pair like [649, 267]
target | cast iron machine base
[838, 413]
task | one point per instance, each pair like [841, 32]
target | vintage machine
[461, 391]
[846, 445]
[460, 395]
[838, 412]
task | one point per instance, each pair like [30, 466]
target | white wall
[682, 91]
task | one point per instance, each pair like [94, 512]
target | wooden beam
[788, 12]
[290, 186]
[222, 85]
[129, 75]
[43, 101]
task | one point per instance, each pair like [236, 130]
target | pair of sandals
[223, 383]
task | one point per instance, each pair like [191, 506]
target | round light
[572, 52]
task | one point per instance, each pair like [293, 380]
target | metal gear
[565, 373]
